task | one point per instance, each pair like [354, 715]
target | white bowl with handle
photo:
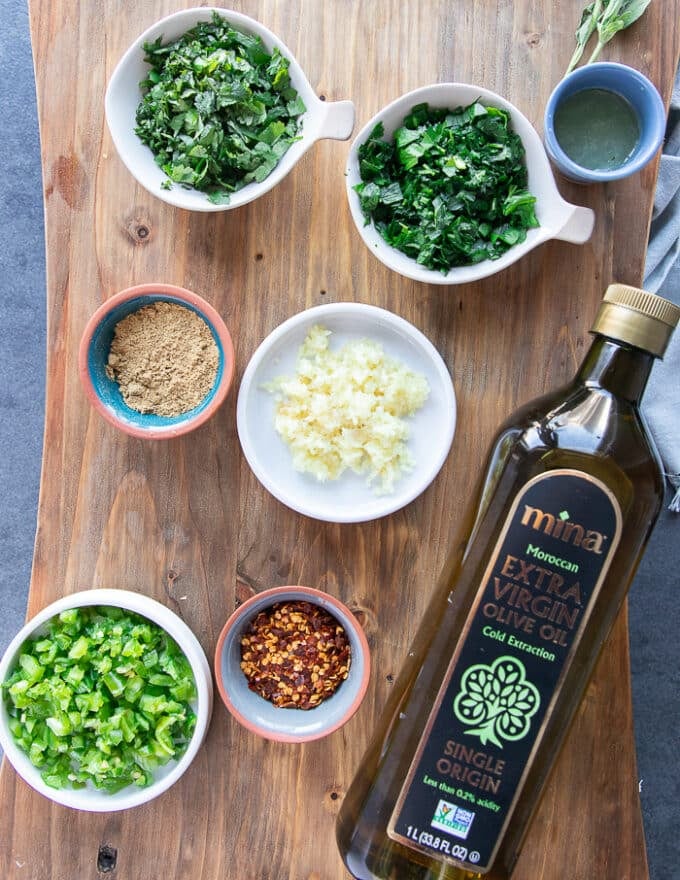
[322, 119]
[558, 218]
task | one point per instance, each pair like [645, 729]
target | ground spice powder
[295, 654]
[164, 358]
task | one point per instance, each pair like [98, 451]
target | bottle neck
[617, 368]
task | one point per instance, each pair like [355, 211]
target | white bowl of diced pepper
[105, 700]
[292, 664]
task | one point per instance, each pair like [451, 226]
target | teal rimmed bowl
[104, 393]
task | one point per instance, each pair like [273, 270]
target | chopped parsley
[450, 188]
[218, 109]
[102, 698]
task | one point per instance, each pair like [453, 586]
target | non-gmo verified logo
[452, 819]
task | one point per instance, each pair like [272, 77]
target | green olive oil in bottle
[572, 489]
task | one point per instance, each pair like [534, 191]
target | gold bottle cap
[637, 317]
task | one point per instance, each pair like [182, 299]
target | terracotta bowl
[282, 724]
[104, 393]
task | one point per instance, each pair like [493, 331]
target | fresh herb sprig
[607, 17]
[450, 188]
[104, 697]
[218, 109]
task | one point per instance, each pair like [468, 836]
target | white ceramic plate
[349, 498]
[331, 119]
[558, 218]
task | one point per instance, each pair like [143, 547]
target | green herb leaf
[617, 16]
[607, 17]
[587, 27]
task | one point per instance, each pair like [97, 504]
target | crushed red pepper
[295, 654]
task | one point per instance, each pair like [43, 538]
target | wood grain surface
[185, 521]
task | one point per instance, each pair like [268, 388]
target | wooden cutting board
[186, 522]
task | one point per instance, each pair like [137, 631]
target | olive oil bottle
[571, 491]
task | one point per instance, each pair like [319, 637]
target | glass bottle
[570, 494]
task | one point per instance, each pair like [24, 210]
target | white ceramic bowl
[349, 498]
[89, 798]
[333, 120]
[558, 219]
[264, 718]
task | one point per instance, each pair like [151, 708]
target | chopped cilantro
[103, 698]
[450, 188]
[218, 110]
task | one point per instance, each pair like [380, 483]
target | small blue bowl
[634, 88]
[104, 392]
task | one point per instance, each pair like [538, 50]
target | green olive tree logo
[497, 701]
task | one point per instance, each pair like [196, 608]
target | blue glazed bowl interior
[633, 87]
[108, 389]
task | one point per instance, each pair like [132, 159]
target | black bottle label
[520, 636]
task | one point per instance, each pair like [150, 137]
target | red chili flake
[295, 654]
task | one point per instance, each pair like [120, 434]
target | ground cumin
[164, 358]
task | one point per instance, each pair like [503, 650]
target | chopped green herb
[103, 698]
[450, 188]
[218, 109]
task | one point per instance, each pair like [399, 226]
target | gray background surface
[654, 604]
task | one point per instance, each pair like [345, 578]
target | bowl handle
[578, 226]
[338, 120]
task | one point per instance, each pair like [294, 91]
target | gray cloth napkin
[662, 275]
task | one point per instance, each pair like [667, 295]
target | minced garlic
[345, 410]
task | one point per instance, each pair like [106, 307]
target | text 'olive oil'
[571, 492]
